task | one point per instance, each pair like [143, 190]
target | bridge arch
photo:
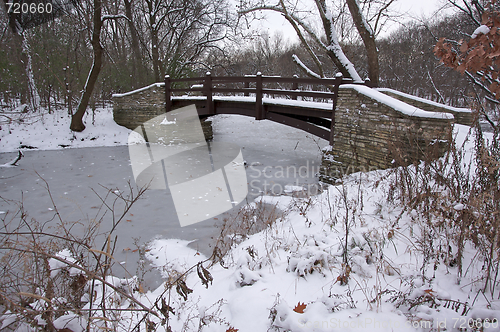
[313, 119]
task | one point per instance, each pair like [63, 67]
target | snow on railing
[396, 104]
[426, 101]
[158, 85]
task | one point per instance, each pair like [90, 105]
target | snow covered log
[13, 162]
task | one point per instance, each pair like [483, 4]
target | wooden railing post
[338, 81]
[295, 86]
[168, 100]
[247, 86]
[259, 110]
[208, 92]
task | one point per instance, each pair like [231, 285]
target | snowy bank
[51, 132]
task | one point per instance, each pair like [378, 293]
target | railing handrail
[267, 79]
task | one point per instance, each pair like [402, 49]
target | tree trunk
[22, 61]
[29, 92]
[77, 118]
[334, 50]
[138, 69]
[155, 54]
[368, 37]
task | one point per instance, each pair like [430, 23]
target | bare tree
[97, 24]
[368, 36]
[182, 31]
[138, 67]
[328, 39]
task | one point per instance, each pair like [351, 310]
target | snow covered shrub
[308, 260]
[54, 275]
[348, 212]
[454, 203]
[249, 219]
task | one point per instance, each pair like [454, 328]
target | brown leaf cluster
[479, 55]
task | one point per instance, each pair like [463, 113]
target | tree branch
[302, 66]
[113, 17]
[302, 39]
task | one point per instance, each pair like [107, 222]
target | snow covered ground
[292, 276]
[51, 131]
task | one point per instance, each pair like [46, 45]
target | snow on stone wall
[462, 115]
[370, 133]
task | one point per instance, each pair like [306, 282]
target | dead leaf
[141, 289]
[231, 329]
[300, 308]
[182, 289]
[390, 234]
[429, 291]
[464, 47]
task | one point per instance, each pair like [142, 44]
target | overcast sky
[411, 9]
[419, 7]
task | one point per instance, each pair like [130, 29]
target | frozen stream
[276, 156]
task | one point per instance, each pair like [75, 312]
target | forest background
[141, 41]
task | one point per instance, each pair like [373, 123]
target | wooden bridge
[365, 127]
[315, 116]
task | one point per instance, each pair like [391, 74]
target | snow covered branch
[333, 48]
[13, 162]
[113, 17]
[302, 66]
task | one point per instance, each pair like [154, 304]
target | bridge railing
[258, 85]
[210, 86]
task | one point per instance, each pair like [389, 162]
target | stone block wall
[133, 108]
[373, 135]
